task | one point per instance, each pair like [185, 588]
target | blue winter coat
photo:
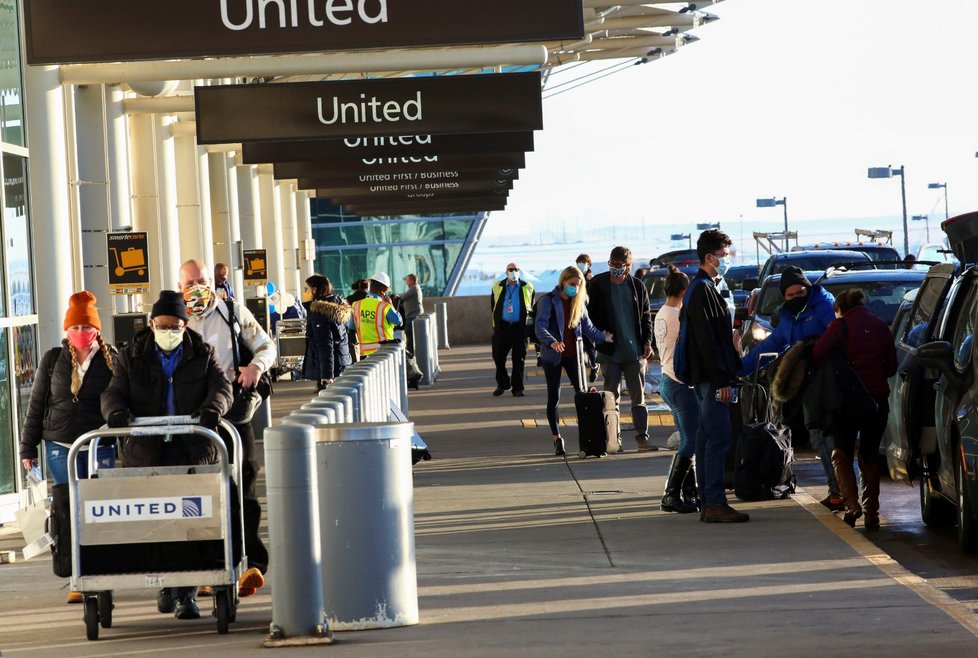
[327, 344]
[549, 326]
[810, 323]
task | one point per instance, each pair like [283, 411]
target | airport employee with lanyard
[374, 317]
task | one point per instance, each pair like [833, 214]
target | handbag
[246, 400]
[32, 519]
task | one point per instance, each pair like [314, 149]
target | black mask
[796, 305]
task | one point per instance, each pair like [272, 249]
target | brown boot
[869, 471]
[844, 473]
[724, 514]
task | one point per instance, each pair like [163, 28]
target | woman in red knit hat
[64, 404]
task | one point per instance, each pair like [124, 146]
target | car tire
[967, 525]
[935, 510]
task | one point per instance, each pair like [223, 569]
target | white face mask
[582, 267]
[513, 276]
[168, 339]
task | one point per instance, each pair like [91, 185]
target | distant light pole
[771, 203]
[937, 186]
[926, 220]
[682, 236]
[890, 172]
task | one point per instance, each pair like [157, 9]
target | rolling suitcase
[597, 415]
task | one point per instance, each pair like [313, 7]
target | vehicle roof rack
[774, 243]
[877, 236]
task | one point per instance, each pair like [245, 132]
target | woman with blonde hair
[561, 319]
[64, 404]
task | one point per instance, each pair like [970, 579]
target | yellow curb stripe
[656, 419]
[956, 610]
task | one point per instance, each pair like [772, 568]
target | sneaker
[834, 503]
[499, 391]
[518, 394]
[75, 597]
[249, 582]
[644, 445]
[724, 514]
[205, 590]
[164, 601]
[186, 608]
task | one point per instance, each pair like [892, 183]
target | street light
[771, 203]
[937, 186]
[890, 172]
[926, 220]
[682, 236]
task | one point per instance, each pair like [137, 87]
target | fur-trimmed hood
[791, 372]
[334, 308]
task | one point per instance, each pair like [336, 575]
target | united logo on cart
[148, 509]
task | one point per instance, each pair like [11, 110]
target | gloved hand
[208, 418]
[118, 419]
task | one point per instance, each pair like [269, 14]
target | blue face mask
[570, 291]
[723, 264]
[617, 272]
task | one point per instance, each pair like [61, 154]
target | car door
[912, 399]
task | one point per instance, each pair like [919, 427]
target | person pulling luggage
[561, 319]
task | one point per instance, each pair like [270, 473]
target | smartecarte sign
[128, 263]
[501, 102]
[67, 31]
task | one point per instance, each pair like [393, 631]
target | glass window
[11, 89]
[8, 459]
[25, 366]
[433, 264]
[17, 234]
[926, 305]
[964, 330]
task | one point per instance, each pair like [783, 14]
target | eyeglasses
[160, 327]
[512, 269]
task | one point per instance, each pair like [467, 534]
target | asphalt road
[931, 553]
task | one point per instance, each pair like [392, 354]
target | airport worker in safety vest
[374, 317]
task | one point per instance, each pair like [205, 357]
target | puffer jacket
[327, 341]
[138, 387]
[549, 326]
[810, 323]
[53, 413]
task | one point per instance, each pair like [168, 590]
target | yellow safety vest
[370, 316]
[498, 290]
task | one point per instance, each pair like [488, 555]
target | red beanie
[81, 310]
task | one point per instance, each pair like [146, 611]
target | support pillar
[50, 204]
[220, 224]
[234, 224]
[249, 206]
[169, 225]
[117, 164]
[290, 280]
[303, 213]
[271, 223]
[145, 199]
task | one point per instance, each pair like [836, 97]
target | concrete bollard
[368, 396]
[352, 389]
[333, 407]
[441, 310]
[309, 417]
[422, 349]
[294, 536]
[369, 572]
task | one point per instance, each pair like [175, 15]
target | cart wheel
[105, 606]
[581, 455]
[91, 618]
[222, 609]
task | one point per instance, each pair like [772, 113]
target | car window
[656, 285]
[964, 329]
[882, 298]
[927, 303]
[771, 300]
[901, 320]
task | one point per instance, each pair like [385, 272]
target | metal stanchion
[369, 572]
[354, 390]
[368, 397]
[441, 310]
[293, 528]
[340, 410]
[310, 417]
[422, 349]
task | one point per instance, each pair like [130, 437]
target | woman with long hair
[65, 403]
[561, 319]
[327, 341]
[680, 494]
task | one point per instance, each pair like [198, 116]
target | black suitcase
[598, 420]
[762, 451]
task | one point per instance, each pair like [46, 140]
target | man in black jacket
[619, 304]
[709, 363]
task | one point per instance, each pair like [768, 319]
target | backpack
[680, 359]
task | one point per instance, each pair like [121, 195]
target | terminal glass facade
[436, 248]
[18, 322]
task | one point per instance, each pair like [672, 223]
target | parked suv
[933, 434]
[819, 259]
[875, 250]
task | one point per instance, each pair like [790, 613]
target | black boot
[559, 446]
[672, 498]
[691, 492]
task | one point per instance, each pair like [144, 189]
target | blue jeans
[823, 446]
[712, 443]
[552, 373]
[57, 460]
[685, 410]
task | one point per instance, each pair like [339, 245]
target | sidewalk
[522, 553]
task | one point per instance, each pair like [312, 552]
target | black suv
[933, 426]
[875, 250]
[810, 261]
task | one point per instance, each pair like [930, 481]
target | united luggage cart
[598, 419]
[290, 339]
[122, 517]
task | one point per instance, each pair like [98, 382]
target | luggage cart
[145, 506]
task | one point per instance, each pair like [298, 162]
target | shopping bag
[32, 517]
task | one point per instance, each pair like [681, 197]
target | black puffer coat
[53, 413]
[138, 387]
[327, 342]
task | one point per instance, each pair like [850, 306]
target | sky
[783, 98]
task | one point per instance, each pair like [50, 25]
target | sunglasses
[513, 269]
